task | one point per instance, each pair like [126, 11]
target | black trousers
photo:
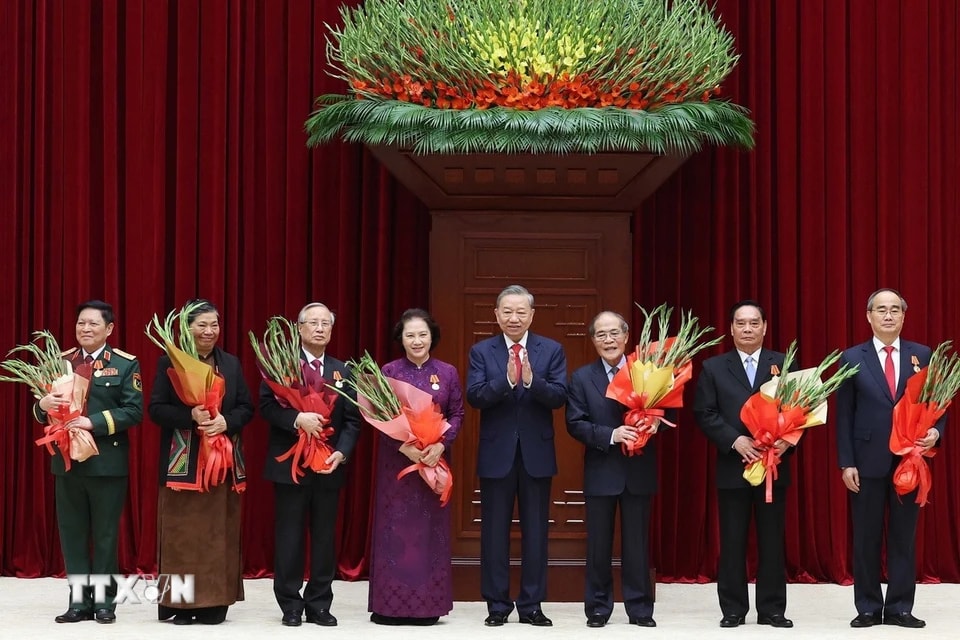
[867, 510]
[635, 557]
[296, 507]
[737, 507]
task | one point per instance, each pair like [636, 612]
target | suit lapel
[906, 367]
[764, 368]
[872, 362]
[598, 374]
[499, 350]
[737, 371]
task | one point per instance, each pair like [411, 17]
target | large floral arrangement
[542, 76]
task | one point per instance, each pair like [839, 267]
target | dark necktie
[318, 366]
[88, 359]
[613, 372]
[890, 372]
[516, 362]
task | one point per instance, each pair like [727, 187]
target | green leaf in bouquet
[689, 340]
[279, 352]
[48, 367]
[943, 376]
[368, 381]
[163, 333]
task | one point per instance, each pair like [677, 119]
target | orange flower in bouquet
[298, 386]
[928, 394]
[53, 374]
[404, 413]
[656, 372]
[196, 383]
[783, 408]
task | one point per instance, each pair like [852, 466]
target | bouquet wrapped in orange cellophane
[783, 408]
[404, 413]
[298, 386]
[196, 384]
[53, 374]
[656, 372]
[928, 394]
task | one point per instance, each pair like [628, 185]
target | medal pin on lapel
[915, 361]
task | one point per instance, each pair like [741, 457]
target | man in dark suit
[516, 380]
[90, 496]
[610, 478]
[722, 389]
[314, 499]
[864, 420]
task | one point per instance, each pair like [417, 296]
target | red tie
[318, 365]
[516, 361]
[890, 372]
[88, 359]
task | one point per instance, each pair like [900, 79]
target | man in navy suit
[311, 503]
[864, 420]
[516, 380]
[724, 385]
[611, 478]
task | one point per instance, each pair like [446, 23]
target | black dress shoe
[182, 618]
[865, 620]
[595, 621]
[322, 617]
[732, 621]
[291, 619]
[643, 621]
[496, 619]
[904, 620]
[775, 620]
[74, 615]
[537, 619]
[105, 616]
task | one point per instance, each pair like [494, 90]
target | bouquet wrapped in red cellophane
[298, 386]
[196, 384]
[404, 413]
[656, 372]
[53, 374]
[928, 394]
[784, 407]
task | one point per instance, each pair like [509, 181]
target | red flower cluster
[515, 92]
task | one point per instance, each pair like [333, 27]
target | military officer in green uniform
[90, 496]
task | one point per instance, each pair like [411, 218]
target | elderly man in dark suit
[312, 501]
[611, 478]
[864, 421]
[90, 496]
[724, 385]
[516, 379]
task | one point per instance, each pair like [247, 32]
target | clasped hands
[628, 433]
[750, 452]
[429, 455]
[526, 371]
[313, 424]
[60, 400]
[208, 426]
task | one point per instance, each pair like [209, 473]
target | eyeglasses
[601, 336]
[313, 324]
[893, 311]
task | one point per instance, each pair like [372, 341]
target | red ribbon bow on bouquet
[911, 421]
[646, 390]
[310, 451]
[769, 422]
[422, 424]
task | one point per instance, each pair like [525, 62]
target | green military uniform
[90, 496]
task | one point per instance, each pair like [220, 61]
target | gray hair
[592, 327]
[300, 316]
[903, 302]
[515, 290]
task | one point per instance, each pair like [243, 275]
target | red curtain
[153, 151]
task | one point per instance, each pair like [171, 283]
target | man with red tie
[864, 421]
[516, 379]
